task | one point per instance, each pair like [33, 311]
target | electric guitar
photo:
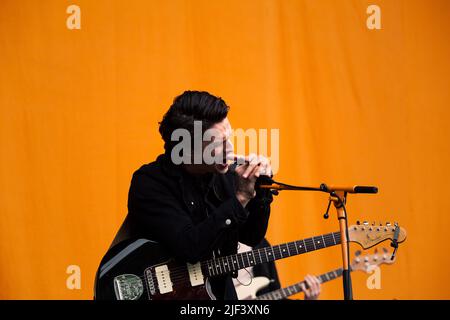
[141, 269]
[366, 263]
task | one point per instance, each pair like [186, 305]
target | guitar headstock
[369, 235]
[369, 262]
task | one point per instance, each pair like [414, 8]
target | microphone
[350, 189]
[262, 180]
[266, 182]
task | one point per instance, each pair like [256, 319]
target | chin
[221, 169]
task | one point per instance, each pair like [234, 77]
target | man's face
[222, 146]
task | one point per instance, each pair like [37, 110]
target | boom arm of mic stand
[338, 196]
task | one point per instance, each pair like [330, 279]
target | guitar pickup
[162, 274]
[195, 274]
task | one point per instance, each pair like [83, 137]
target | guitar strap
[121, 254]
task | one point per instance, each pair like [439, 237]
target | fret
[314, 243]
[240, 255]
[256, 254]
[251, 258]
[295, 245]
[228, 264]
[304, 245]
[218, 265]
[301, 246]
[245, 259]
[324, 242]
[279, 252]
[215, 266]
[221, 262]
[297, 288]
[283, 251]
[269, 254]
[225, 264]
[310, 244]
[289, 252]
[265, 252]
[293, 289]
[330, 239]
[273, 253]
[210, 268]
[235, 262]
[334, 238]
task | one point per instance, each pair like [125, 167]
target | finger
[240, 169]
[250, 168]
[254, 174]
[314, 284]
[309, 281]
[253, 163]
[239, 159]
[305, 291]
[264, 165]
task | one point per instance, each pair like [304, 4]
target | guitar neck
[228, 264]
[296, 288]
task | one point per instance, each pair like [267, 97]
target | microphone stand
[338, 195]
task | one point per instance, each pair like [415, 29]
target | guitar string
[291, 247]
[295, 287]
[180, 272]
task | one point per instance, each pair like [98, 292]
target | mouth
[222, 166]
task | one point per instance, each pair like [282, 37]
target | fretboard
[296, 288]
[228, 264]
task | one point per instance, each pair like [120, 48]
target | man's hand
[313, 291]
[247, 174]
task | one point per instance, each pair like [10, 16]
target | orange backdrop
[79, 112]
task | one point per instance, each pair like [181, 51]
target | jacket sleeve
[252, 232]
[152, 206]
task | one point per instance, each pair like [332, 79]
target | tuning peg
[358, 222]
[376, 250]
[365, 223]
[388, 224]
[357, 253]
[373, 223]
[381, 224]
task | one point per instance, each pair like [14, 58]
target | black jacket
[193, 217]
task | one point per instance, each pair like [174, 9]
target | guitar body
[248, 292]
[140, 269]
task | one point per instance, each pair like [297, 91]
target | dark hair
[189, 107]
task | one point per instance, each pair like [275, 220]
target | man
[198, 210]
